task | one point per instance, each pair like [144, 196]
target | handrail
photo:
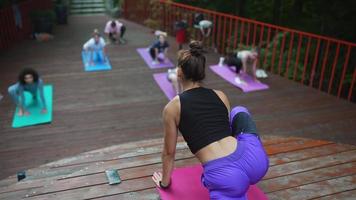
[324, 63]
[257, 22]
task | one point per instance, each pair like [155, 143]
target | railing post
[281, 54]
[316, 56]
[223, 39]
[334, 66]
[254, 35]
[235, 33]
[297, 56]
[344, 71]
[267, 45]
[275, 41]
[289, 54]
[352, 85]
[324, 65]
[306, 60]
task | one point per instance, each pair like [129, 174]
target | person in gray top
[30, 81]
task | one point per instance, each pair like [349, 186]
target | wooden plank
[128, 163]
[152, 158]
[100, 179]
[306, 177]
[100, 190]
[347, 195]
[317, 189]
[295, 145]
[310, 164]
[306, 153]
[149, 194]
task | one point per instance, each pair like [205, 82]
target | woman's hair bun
[196, 48]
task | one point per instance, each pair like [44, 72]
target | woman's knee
[238, 109]
[12, 90]
[241, 121]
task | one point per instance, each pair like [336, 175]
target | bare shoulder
[223, 98]
[221, 94]
[172, 108]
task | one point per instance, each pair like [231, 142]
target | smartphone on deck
[113, 176]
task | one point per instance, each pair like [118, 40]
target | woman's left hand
[157, 177]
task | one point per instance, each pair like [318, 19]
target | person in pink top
[115, 31]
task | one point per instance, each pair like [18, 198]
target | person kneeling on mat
[227, 144]
[244, 60]
[158, 50]
[173, 78]
[115, 31]
[28, 80]
[96, 47]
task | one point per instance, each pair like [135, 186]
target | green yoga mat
[35, 107]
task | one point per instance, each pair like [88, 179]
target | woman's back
[204, 123]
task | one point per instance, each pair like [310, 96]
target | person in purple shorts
[227, 144]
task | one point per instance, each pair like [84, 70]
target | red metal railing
[324, 63]
[11, 34]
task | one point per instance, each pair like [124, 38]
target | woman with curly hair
[28, 80]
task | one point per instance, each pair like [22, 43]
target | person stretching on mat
[160, 46]
[28, 80]
[115, 31]
[227, 144]
[243, 60]
[173, 78]
[96, 47]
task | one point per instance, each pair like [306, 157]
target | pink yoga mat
[186, 185]
[227, 74]
[147, 58]
[165, 85]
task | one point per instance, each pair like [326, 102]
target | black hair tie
[164, 187]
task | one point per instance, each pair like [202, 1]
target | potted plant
[42, 21]
[61, 10]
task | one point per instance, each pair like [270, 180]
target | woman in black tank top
[202, 116]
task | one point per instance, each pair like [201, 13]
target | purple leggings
[229, 177]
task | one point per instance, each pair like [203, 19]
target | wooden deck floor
[100, 109]
[299, 169]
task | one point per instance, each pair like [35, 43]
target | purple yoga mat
[165, 85]
[186, 185]
[146, 56]
[230, 76]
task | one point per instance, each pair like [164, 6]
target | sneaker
[221, 61]
[239, 81]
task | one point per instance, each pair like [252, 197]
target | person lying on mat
[96, 47]
[227, 144]
[28, 80]
[173, 78]
[159, 47]
[115, 31]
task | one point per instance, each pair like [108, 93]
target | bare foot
[23, 113]
[20, 113]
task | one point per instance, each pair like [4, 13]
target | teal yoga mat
[35, 107]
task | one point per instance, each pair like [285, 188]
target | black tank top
[203, 118]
